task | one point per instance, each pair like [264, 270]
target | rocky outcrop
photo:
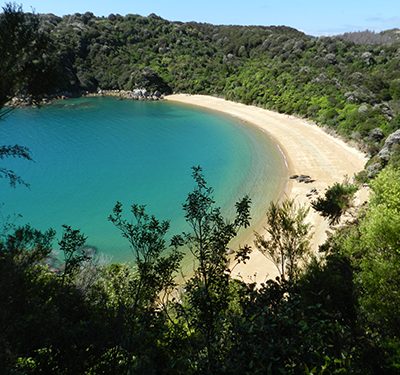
[387, 149]
[31, 101]
[382, 158]
[376, 135]
[373, 169]
[136, 94]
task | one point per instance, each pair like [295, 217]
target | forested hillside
[337, 313]
[353, 88]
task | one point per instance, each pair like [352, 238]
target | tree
[337, 200]
[155, 265]
[17, 32]
[374, 249]
[26, 63]
[142, 307]
[74, 252]
[287, 242]
[208, 293]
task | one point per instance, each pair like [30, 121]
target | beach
[307, 149]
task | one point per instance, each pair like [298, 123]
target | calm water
[88, 153]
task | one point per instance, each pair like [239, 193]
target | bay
[91, 152]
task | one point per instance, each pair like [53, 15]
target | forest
[335, 314]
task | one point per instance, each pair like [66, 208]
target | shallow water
[90, 152]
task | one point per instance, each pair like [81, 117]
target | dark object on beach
[302, 178]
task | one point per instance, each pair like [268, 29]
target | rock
[384, 154]
[373, 170]
[391, 141]
[385, 110]
[376, 135]
[303, 178]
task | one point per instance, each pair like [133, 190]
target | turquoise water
[91, 152]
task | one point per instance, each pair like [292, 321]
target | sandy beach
[308, 150]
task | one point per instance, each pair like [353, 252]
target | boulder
[373, 170]
[391, 141]
[384, 154]
[376, 135]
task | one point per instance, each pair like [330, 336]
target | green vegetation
[339, 315]
[86, 318]
[372, 248]
[287, 242]
[337, 201]
[352, 88]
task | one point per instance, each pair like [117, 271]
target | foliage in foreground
[118, 318]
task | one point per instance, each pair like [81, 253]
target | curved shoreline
[307, 149]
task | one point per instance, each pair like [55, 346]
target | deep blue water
[90, 152]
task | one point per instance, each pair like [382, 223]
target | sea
[89, 153]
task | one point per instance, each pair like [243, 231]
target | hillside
[352, 88]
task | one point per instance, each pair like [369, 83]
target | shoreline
[306, 150]
[136, 94]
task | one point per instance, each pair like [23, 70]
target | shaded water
[90, 152]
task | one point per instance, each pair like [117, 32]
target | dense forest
[336, 81]
[335, 314]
